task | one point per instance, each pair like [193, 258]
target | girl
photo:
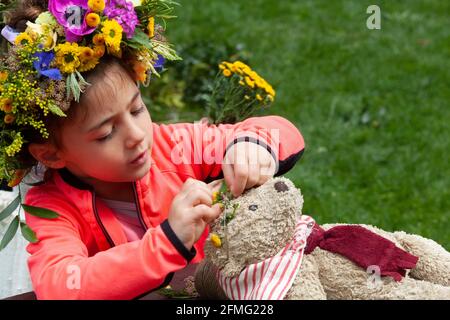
[134, 197]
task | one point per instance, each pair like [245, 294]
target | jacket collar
[73, 180]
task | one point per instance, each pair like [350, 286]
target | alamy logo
[73, 281]
[374, 278]
[74, 15]
[374, 20]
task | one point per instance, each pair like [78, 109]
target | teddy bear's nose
[280, 186]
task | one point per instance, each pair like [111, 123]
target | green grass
[373, 106]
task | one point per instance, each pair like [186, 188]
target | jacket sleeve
[198, 149]
[62, 268]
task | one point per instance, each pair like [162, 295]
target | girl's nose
[135, 135]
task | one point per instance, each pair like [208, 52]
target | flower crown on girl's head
[42, 73]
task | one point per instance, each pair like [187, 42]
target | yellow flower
[240, 64]
[23, 39]
[96, 5]
[260, 82]
[258, 97]
[151, 27]
[15, 146]
[222, 67]
[227, 73]
[250, 82]
[215, 196]
[67, 57]
[92, 20]
[215, 240]
[112, 31]
[88, 59]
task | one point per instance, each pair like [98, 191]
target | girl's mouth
[141, 159]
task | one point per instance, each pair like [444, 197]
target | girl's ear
[47, 154]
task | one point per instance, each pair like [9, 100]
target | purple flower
[159, 64]
[123, 12]
[42, 65]
[71, 15]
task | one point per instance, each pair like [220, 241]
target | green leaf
[223, 187]
[56, 110]
[40, 212]
[10, 208]
[10, 233]
[27, 233]
[139, 40]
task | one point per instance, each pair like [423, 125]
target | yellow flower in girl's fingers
[215, 197]
[215, 240]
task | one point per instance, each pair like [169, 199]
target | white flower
[47, 18]
[136, 2]
[49, 37]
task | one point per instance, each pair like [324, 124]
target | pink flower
[71, 14]
[123, 12]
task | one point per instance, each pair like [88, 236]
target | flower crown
[42, 73]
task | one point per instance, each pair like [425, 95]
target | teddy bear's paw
[434, 260]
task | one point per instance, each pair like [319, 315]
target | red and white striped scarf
[272, 278]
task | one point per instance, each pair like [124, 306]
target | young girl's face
[117, 129]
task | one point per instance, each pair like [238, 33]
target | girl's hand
[246, 165]
[192, 210]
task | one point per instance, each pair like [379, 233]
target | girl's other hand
[247, 165]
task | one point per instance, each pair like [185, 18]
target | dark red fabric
[363, 247]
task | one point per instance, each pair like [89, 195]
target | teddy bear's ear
[280, 186]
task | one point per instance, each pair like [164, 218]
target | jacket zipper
[138, 207]
[99, 221]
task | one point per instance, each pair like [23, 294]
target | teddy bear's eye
[253, 207]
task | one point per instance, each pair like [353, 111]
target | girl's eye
[138, 111]
[107, 137]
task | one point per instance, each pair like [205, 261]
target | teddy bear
[262, 247]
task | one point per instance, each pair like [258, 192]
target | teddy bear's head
[262, 223]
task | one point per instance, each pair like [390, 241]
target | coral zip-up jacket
[84, 253]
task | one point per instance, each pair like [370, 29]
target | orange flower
[140, 71]
[9, 118]
[17, 178]
[99, 51]
[99, 39]
[93, 20]
[6, 105]
[3, 76]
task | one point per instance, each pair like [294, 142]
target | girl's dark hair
[26, 10]
[29, 10]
